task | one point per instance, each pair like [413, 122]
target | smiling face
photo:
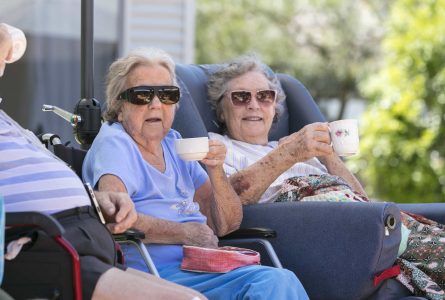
[251, 122]
[147, 123]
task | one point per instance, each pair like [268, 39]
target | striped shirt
[31, 177]
[240, 155]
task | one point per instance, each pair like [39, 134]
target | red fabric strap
[388, 273]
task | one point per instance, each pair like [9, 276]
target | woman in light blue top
[33, 179]
[177, 201]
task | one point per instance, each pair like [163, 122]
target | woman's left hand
[216, 155]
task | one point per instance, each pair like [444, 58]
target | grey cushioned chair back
[195, 117]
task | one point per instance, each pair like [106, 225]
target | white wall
[166, 24]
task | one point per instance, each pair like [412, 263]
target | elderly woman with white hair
[304, 167]
[177, 201]
[248, 99]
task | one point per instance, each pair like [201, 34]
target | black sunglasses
[141, 95]
[264, 97]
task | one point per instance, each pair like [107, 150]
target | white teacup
[344, 137]
[18, 43]
[192, 148]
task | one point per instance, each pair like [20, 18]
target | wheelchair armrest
[45, 222]
[46, 268]
[129, 235]
[249, 233]
[433, 211]
[134, 237]
[254, 238]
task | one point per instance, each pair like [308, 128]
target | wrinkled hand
[312, 140]
[118, 210]
[201, 235]
[216, 155]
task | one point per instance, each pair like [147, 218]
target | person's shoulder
[223, 138]
[215, 136]
[113, 138]
[273, 144]
[170, 137]
[173, 134]
[6, 120]
[113, 130]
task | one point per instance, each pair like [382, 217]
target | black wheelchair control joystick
[88, 125]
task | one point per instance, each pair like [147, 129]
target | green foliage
[226, 29]
[327, 44]
[332, 46]
[403, 134]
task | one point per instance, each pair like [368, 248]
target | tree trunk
[343, 103]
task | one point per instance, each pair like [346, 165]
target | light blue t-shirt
[167, 195]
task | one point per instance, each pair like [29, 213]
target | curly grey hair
[217, 84]
[119, 70]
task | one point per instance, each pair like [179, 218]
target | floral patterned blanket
[318, 188]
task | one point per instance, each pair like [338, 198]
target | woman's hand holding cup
[210, 152]
[216, 155]
[312, 140]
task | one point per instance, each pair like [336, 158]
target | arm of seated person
[216, 197]
[311, 141]
[162, 231]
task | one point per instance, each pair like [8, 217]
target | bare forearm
[156, 230]
[336, 166]
[160, 231]
[251, 183]
[225, 209]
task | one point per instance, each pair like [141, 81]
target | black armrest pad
[248, 233]
[131, 234]
[45, 222]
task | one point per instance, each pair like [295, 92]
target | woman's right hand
[197, 234]
[313, 140]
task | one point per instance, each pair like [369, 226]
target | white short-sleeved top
[240, 155]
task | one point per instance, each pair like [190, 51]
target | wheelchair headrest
[196, 118]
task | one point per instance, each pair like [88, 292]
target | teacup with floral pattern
[344, 136]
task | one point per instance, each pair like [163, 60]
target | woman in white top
[247, 100]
